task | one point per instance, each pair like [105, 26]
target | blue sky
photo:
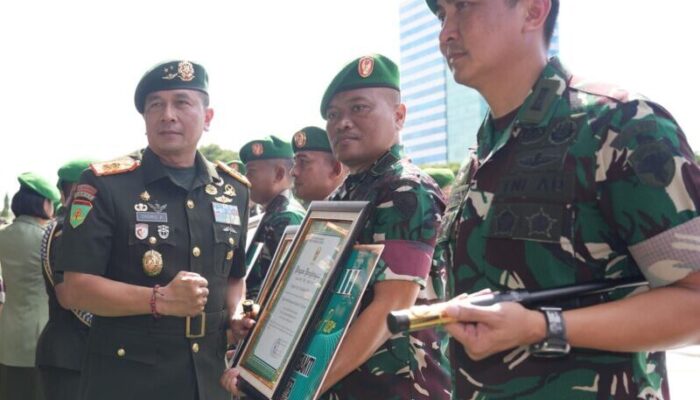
[69, 68]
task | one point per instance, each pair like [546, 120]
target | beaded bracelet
[154, 312]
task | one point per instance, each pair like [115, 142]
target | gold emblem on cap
[185, 70]
[365, 66]
[145, 196]
[229, 190]
[210, 189]
[257, 149]
[152, 263]
[300, 139]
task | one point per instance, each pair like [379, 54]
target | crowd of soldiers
[570, 182]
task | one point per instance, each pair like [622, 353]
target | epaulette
[113, 167]
[237, 175]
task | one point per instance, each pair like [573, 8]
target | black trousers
[59, 383]
[20, 383]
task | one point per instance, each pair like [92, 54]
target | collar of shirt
[154, 170]
[536, 111]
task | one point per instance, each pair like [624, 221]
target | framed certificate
[316, 256]
[312, 362]
[253, 223]
[276, 264]
[252, 248]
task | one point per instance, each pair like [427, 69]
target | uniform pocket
[226, 239]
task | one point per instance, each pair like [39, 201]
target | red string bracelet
[154, 312]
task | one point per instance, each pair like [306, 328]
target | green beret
[442, 176]
[432, 5]
[364, 72]
[237, 165]
[171, 75]
[70, 171]
[40, 185]
[265, 149]
[311, 138]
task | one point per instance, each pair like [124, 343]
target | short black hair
[28, 202]
[549, 23]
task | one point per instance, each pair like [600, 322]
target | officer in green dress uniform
[154, 248]
[572, 181]
[61, 346]
[316, 172]
[268, 162]
[26, 309]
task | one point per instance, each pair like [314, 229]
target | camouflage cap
[311, 138]
[70, 171]
[237, 165]
[368, 71]
[265, 149]
[40, 185]
[442, 176]
[171, 75]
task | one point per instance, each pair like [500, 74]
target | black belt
[189, 327]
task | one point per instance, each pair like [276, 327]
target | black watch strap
[554, 343]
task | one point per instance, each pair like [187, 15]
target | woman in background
[26, 305]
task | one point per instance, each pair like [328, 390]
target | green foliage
[697, 157]
[5, 213]
[453, 166]
[213, 152]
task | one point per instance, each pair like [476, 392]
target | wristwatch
[554, 343]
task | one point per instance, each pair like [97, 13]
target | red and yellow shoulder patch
[113, 167]
[235, 174]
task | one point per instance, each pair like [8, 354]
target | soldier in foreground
[571, 182]
[154, 247]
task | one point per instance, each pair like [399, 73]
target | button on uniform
[190, 204]
[196, 251]
[121, 352]
[195, 347]
[152, 240]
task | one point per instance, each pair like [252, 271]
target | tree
[213, 152]
[5, 213]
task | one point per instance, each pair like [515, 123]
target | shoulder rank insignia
[233, 173]
[113, 167]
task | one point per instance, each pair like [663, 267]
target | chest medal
[152, 263]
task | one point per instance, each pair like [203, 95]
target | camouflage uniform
[405, 211]
[283, 210]
[586, 183]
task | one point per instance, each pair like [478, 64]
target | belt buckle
[188, 325]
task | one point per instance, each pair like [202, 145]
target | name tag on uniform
[147, 216]
[226, 214]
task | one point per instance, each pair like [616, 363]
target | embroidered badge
[300, 139]
[562, 132]
[86, 192]
[257, 149]
[152, 263]
[163, 231]
[540, 223]
[210, 189]
[141, 231]
[145, 196]
[226, 214]
[79, 210]
[365, 66]
[229, 190]
[653, 163]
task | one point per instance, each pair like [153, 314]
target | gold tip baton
[428, 316]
